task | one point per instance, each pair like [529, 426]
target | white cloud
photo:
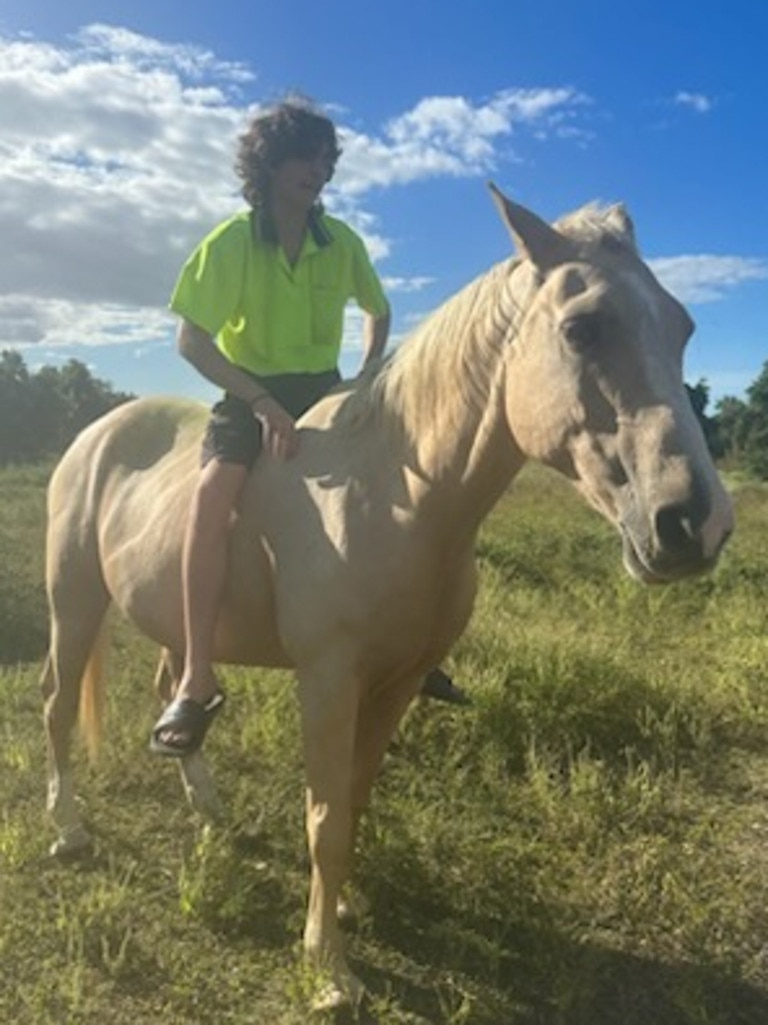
[103, 177]
[410, 285]
[695, 101]
[29, 320]
[116, 155]
[115, 43]
[452, 136]
[702, 279]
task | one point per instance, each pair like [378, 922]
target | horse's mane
[447, 363]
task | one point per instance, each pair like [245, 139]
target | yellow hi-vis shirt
[267, 316]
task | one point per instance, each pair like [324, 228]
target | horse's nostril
[674, 527]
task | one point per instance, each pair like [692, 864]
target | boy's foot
[182, 727]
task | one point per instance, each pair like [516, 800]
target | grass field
[585, 845]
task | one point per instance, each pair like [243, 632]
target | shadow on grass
[532, 974]
[547, 979]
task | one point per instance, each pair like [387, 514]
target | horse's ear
[617, 218]
[538, 241]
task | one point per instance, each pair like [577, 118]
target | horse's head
[594, 387]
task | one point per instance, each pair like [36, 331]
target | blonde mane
[446, 365]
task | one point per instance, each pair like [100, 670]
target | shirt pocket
[327, 315]
[329, 293]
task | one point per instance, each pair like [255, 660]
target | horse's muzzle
[676, 545]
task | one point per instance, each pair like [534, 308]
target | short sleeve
[208, 289]
[367, 288]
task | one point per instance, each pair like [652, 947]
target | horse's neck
[435, 412]
[459, 440]
[470, 463]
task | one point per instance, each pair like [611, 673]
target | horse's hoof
[75, 843]
[332, 999]
[334, 996]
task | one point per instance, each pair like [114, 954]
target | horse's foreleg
[378, 718]
[199, 787]
[329, 716]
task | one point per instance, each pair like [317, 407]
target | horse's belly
[246, 632]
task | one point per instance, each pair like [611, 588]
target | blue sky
[118, 124]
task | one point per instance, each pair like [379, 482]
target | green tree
[732, 420]
[743, 427]
[699, 398]
[16, 409]
[40, 414]
[83, 398]
[756, 442]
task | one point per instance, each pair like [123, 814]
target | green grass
[585, 845]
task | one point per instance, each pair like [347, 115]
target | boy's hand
[281, 438]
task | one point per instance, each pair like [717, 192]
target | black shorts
[233, 434]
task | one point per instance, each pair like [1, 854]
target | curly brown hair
[292, 128]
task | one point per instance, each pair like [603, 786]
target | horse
[353, 562]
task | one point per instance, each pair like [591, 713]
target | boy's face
[298, 181]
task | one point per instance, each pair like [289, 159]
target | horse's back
[144, 439]
[137, 433]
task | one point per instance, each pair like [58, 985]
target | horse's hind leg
[167, 676]
[75, 629]
[198, 783]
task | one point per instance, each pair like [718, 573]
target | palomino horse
[353, 562]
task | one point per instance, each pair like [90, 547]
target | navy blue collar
[264, 229]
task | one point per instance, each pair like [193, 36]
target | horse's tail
[92, 692]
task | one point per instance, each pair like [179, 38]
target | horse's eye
[583, 331]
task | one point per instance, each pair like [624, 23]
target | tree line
[737, 432]
[42, 412]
